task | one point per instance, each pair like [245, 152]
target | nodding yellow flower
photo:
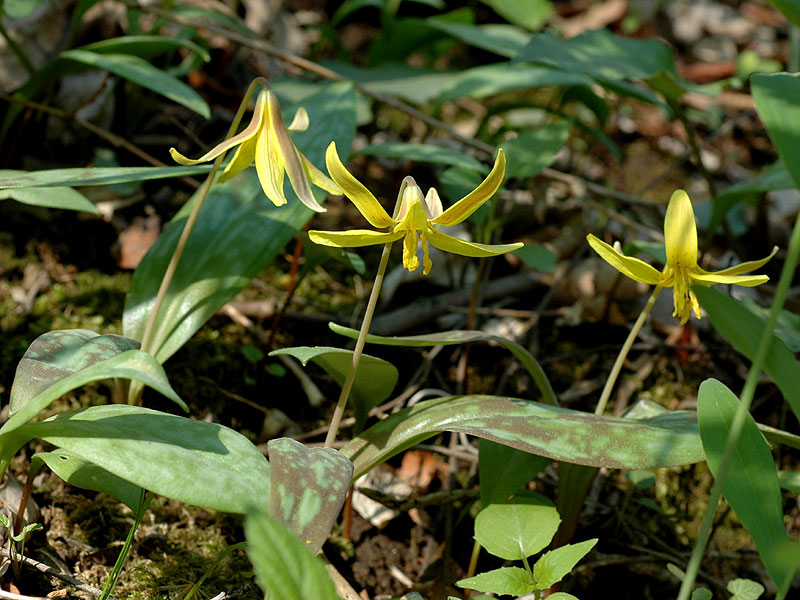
[417, 218]
[266, 140]
[681, 271]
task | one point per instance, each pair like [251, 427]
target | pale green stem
[362, 336]
[740, 417]
[152, 319]
[623, 353]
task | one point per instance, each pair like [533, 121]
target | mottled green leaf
[511, 581]
[94, 176]
[743, 330]
[516, 531]
[140, 71]
[447, 338]
[64, 198]
[425, 153]
[60, 361]
[308, 487]
[558, 433]
[204, 464]
[531, 15]
[554, 565]
[751, 486]
[285, 569]
[505, 40]
[374, 380]
[145, 46]
[503, 470]
[238, 232]
[534, 149]
[81, 473]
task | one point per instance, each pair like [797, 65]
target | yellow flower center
[414, 222]
[682, 294]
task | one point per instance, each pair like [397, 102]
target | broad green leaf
[745, 589]
[511, 581]
[558, 433]
[94, 176]
[83, 474]
[531, 15]
[60, 361]
[374, 380]
[743, 330]
[503, 470]
[600, 54]
[396, 79]
[777, 98]
[65, 198]
[140, 71]
[448, 338]
[145, 46]
[537, 257]
[787, 328]
[554, 565]
[488, 80]
[285, 569]
[425, 153]
[204, 464]
[790, 480]
[751, 487]
[502, 39]
[516, 531]
[308, 487]
[534, 149]
[238, 232]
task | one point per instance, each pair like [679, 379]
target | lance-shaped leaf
[308, 487]
[751, 486]
[554, 565]
[375, 378]
[448, 338]
[81, 473]
[285, 569]
[237, 233]
[510, 581]
[93, 176]
[64, 198]
[59, 361]
[558, 433]
[199, 463]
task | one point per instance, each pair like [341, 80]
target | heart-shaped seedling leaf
[307, 489]
[516, 531]
[374, 380]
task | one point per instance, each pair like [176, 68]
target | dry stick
[48, 570]
[307, 65]
[362, 336]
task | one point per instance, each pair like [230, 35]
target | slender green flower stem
[362, 336]
[123, 555]
[150, 326]
[742, 410]
[213, 566]
[623, 353]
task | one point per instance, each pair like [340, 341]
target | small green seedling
[516, 532]
[17, 540]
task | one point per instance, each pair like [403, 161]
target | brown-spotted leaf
[307, 488]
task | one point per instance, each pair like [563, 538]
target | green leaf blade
[512, 581]
[516, 531]
[553, 566]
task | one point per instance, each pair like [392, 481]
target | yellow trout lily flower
[417, 218]
[266, 140]
[681, 271]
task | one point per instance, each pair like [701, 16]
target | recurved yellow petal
[318, 178]
[269, 169]
[300, 121]
[472, 201]
[251, 130]
[242, 158]
[680, 231]
[627, 265]
[745, 267]
[365, 202]
[448, 243]
[713, 278]
[354, 238]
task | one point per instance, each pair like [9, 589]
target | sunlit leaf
[531, 15]
[145, 46]
[93, 176]
[777, 98]
[516, 531]
[505, 40]
[511, 581]
[425, 153]
[534, 149]
[554, 565]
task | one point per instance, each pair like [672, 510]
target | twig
[13, 596]
[433, 499]
[48, 570]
